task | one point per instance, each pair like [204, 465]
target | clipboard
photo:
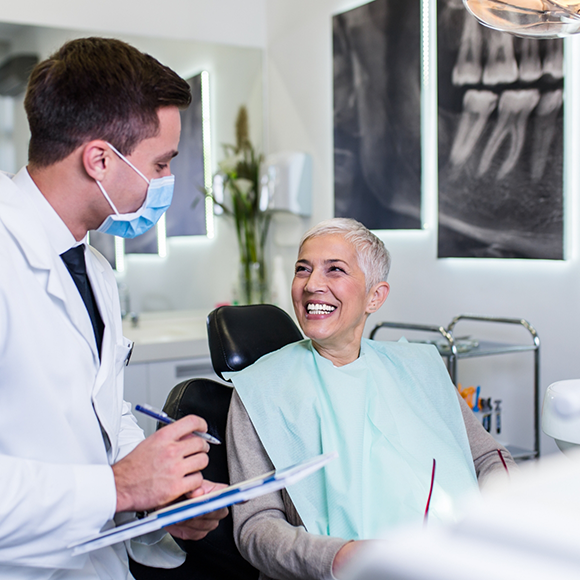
[184, 510]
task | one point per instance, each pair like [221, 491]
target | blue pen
[165, 418]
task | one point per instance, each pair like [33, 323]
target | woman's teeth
[319, 308]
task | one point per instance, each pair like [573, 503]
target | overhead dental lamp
[561, 414]
[529, 18]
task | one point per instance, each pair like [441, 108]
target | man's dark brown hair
[97, 88]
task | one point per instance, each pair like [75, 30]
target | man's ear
[377, 296]
[96, 159]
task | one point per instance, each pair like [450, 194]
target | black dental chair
[238, 336]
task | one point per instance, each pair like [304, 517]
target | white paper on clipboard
[178, 512]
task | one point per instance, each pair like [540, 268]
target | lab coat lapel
[107, 398]
[20, 220]
[104, 296]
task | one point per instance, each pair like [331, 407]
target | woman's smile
[318, 309]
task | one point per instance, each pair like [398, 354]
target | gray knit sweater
[268, 530]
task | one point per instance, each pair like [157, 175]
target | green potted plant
[237, 193]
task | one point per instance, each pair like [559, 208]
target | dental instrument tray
[463, 344]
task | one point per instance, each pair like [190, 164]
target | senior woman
[389, 409]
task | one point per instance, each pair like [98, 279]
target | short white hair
[373, 257]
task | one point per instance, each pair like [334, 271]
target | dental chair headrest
[240, 335]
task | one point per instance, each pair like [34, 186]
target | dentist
[105, 124]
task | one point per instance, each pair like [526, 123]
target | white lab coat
[63, 420]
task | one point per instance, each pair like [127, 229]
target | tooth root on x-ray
[544, 131]
[530, 63]
[501, 66]
[467, 69]
[477, 107]
[554, 59]
[550, 103]
[513, 111]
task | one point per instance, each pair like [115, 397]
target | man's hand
[162, 468]
[197, 528]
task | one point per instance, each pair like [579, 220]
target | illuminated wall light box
[535, 18]
[286, 183]
[500, 125]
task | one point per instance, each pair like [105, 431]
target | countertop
[168, 335]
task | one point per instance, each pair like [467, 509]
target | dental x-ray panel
[500, 141]
[186, 216]
[377, 114]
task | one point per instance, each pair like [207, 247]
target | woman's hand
[345, 554]
[197, 528]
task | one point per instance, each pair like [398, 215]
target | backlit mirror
[222, 78]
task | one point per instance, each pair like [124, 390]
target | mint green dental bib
[388, 414]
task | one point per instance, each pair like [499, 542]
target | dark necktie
[74, 260]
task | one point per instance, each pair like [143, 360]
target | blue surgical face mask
[130, 225]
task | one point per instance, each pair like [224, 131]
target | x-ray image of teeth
[477, 107]
[468, 68]
[513, 111]
[500, 141]
[377, 114]
[554, 60]
[544, 132]
[530, 62]
[501, 66]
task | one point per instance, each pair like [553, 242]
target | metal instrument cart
[449, 350]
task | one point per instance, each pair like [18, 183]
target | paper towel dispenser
[286, 182]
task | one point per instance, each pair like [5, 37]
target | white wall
[425, 289]
[225, 21]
